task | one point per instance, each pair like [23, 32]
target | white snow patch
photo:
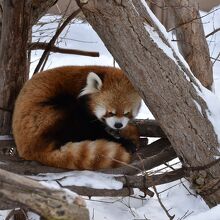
[156, 38]
[81, 178]
[198, 106]
[211, 214]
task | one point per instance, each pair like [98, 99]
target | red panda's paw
[130, 132]
[129, 145]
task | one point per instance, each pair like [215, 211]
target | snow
[81, 178]
[177, 196]
[154, 35]
[212, 214]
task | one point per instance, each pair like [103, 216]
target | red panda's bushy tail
[85, 155]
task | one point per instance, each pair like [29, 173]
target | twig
[191, 20]
[213, 32]
[187, 189]
[43, 46]
[216, 58]
[162, 205]
[54, 38]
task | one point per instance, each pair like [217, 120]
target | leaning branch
[49, 203]
[43, 46]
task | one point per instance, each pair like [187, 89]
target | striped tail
[85, 155]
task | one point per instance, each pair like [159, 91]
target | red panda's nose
[118, 125]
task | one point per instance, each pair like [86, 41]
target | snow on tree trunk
[164, 81]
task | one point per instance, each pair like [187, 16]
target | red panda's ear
[94, 84]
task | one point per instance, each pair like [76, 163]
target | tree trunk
[191, 39]
[13, 57]
[169, 90]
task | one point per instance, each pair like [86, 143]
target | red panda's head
[113, 99]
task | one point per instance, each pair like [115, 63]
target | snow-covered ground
[177, 196]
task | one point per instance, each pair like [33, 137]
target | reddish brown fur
[31, 121]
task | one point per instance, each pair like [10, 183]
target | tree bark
[49, 203]
[13, 57]
[162, 83]
[191, 39]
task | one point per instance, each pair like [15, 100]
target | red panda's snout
[117, 122]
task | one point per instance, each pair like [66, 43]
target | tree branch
[148, 128]
[50, 203]
[213, 32]
[43, 46]
[144, 162]
[54, 38]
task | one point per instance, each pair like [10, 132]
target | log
[47, 202]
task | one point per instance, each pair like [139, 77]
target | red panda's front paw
[129, 145]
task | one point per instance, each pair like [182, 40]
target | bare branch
[43, 46]
[162, 205]
[213, 32]
[54, 38]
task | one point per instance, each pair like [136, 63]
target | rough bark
[191, 39]
[1, 16]
[162, 84]
[13, 57]
[49, 203]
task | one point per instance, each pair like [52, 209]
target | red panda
[62, 118]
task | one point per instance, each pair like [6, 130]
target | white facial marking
[99, 111]
[111, 121]
[94, 84]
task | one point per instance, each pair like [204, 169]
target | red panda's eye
[127, 114]
[110, 114]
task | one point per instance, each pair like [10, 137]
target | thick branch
[191, 39]
[43, 46]
[144, 162]
[152, 155]
[49, 203]
[148, 128]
